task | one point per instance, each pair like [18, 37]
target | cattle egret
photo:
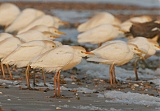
[36, 35]
[147, 45]
[61, 58]
[26, 51]
[99, 34]
[46, 20]
[27, 16]
[52, 29]
[8, 13]
[98, 19]
[7, 46]
[114, 53]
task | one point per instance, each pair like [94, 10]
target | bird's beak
[64, 23]
[89, 53]
[158, 47]
[141, 51]
[61, 33]
[55, 36]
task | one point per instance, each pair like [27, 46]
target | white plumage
[61, 58]
[114, 53]
[26, 51]
[99, 34]
[54, 60]
[98, 19]
[147, 45]
[25, 18]
[4, 36]
[35, 35]
[8, 45]
[43, 28]
[46, 20]
[8, 13]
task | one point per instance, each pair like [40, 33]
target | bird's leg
[14, 67]
[4, 76]
[10, 74]
[58, 94]
[55, 85]
[114, 75]
[27, 77]
[135, 69]
[34, 80]
[110, 72]
[44, 77]
[99, 44]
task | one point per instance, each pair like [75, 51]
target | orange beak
[89, 53]
[55, 36]
[64, 23]
[158, 47]
[61, 33]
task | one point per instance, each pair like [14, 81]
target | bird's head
[59, 22]
[134, 48]
[80, 51]
[55, 31]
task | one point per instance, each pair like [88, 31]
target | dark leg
[4, 76]
[44, 77]
[10, 74]
[135, 69]
[34, 80]
[114, 75]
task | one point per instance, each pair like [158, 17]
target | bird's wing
[112, 51]
[22, 53]
[96, 35]
[55, 58]
[44, 20]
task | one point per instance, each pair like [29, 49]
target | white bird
[36, 35]
[126, 25]
[7, 46]
[21, 55]
[52, 29]
[8, 13]
[27, 16]
[56, 60]
[4, 36]
[114, 53]
[98, 19]
[148, 46]
[46, 20]
[99, 34]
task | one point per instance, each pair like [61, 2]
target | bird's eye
[53, 46]
[81, 51]
[135, 49]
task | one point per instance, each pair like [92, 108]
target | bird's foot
[35, 85]
[45, 85]
[60, 97]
